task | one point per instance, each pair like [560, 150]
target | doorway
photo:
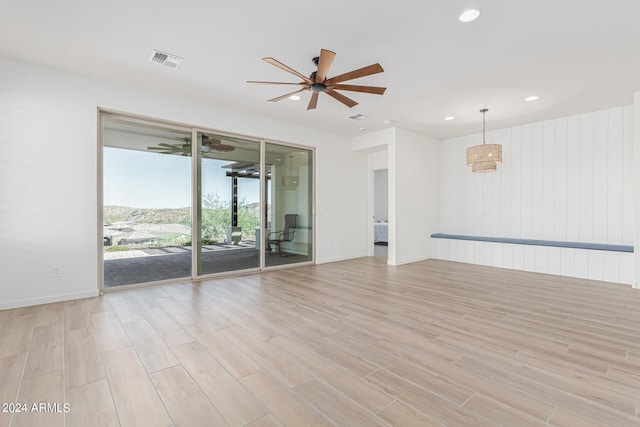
[381, 213]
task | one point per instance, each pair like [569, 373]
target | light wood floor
[353, 343]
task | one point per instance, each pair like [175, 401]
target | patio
[174, 262]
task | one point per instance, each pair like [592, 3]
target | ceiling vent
[358, 117]
[167, 59]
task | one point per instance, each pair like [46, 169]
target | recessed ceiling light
[294, 98]
[469, 15]
[363, 129]
[532, 98]
[449, 118]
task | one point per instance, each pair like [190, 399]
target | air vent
[167, 59]
[358, 117]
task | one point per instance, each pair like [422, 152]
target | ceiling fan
[318, 82]
[184, 149]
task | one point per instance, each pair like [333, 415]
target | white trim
[263, 206]
[196, 205]
[636, 167]
[314, 203]
[344, 258]
[412, 260]
[371, 189]
[48, 300]
[392, 208]
[286, 266]
[100, 201]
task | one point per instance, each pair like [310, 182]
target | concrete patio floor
[156, 264]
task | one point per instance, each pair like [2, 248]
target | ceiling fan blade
[275, 83]
[287, 95]
[313, 102]
[324, 63]
[223, 147]
[166, 150]
[355, 74]
[340, 97]
[280, 65]
[356, 88]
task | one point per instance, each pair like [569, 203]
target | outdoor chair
[276, 238]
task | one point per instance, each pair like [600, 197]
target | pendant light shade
[483, 153]
[481, 167]
[484, 157]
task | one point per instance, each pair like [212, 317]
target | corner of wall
[375, 141]
[636, 186]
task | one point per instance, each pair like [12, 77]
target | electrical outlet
[55, 272]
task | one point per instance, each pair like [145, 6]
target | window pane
[147, 199]
[229, 197]
[289, 219]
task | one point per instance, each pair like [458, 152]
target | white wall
[376, 141]
[375, 147]
[569, 179]
[381, 195]
[413, 167]
[48, 177]
[414, 187]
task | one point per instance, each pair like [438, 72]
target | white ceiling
[577, 56]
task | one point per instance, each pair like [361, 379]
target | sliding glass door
[228, 199]
[183, 203]
[146, 202]
[289, 198]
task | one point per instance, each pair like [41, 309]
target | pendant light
[290, 181]
[484, 157]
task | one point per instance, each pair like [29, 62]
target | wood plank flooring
[353, 343]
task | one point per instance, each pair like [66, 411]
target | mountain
[146, 215]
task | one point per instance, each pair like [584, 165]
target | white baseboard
[27, 302]
[343, 258]
[409, 261]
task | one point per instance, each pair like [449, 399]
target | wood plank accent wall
[568, 179]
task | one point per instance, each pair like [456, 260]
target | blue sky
[151, 180]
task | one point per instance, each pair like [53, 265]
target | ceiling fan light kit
[184, 149]
[318, 82]
[484, 157]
